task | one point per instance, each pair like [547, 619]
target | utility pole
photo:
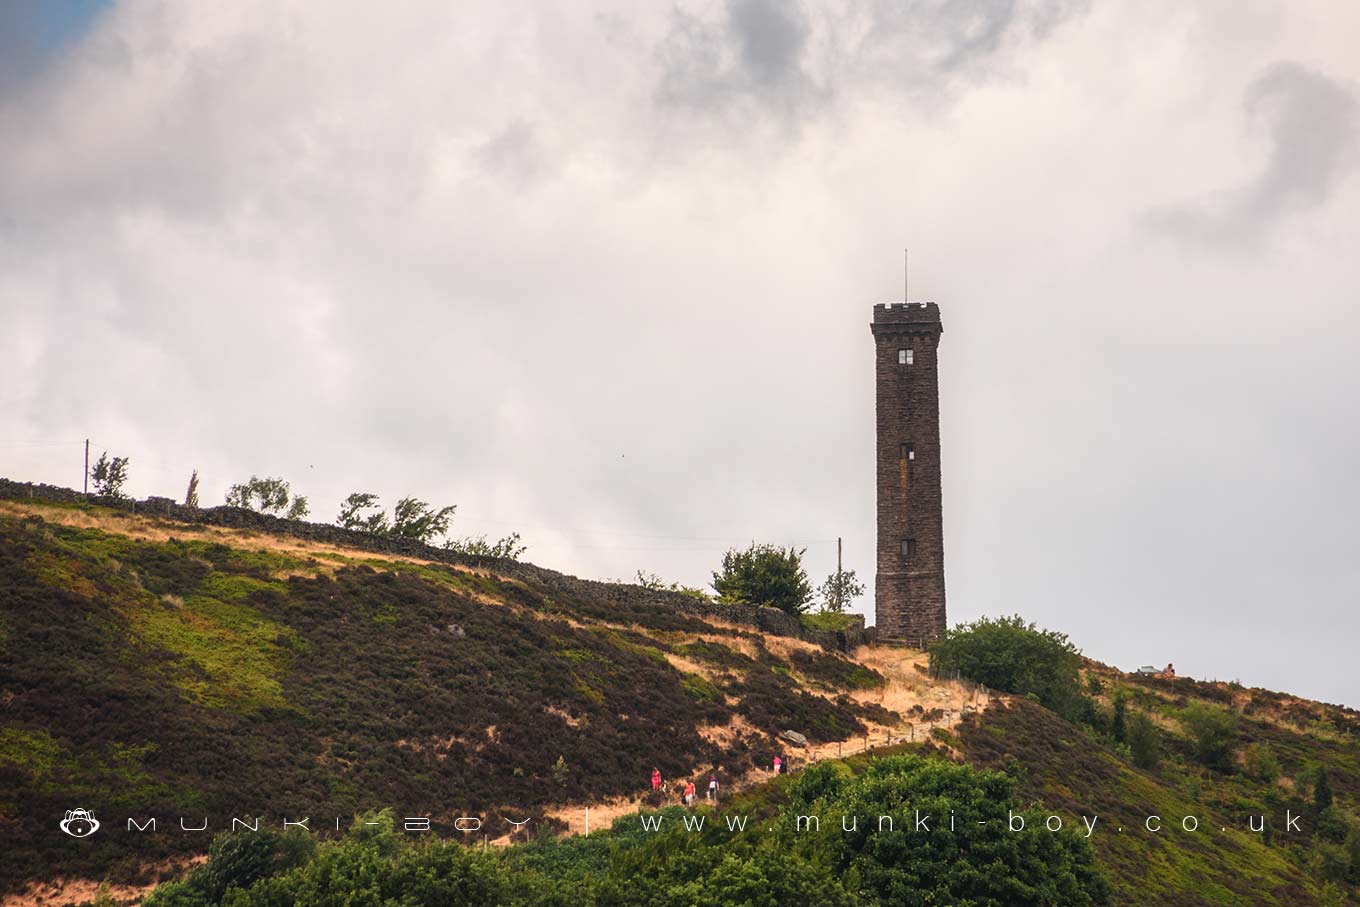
[87, 467]
[840, 586]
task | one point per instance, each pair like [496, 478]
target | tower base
[918, 624]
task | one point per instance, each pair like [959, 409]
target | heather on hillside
[145, 674]
[1072, 768]
[151, 677]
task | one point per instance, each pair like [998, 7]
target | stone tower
[909, 589]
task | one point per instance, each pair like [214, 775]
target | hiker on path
[656, 780]
[713, 788]
[689, 793]
[778, 766]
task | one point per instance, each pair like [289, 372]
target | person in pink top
[778, 764]
[656, 780]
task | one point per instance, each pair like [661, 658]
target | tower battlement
[909, 584]
[906, 313]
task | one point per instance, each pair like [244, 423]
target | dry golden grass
[689, 666]
[60, 892]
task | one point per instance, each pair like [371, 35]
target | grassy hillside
[144, 673]
[152, 667]
[1077, 769]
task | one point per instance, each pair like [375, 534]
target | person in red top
[689, 793]
[656, 780]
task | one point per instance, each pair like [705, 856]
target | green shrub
[1261, 763]
[980, 863]
[1011, 655]
[1141, 736]
[1118, 715]
[700, 689]
[628, 867]
[653, 581]
[1322, 789]
[1213, 734]
[828, 620]
[840, 589]
[764, 575]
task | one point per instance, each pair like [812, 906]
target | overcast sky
[602, 274]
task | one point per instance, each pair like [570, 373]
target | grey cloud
[945, 36]
[516, 153]
[20, 44]
[770, 36]
[1310, 124]
[756, 53]
[795, 64]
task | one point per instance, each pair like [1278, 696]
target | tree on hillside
[1322, 789]
[415, 519]
[764, 575]
[1213, 734]
[1141, 736]
[353, 514]
[109, 475]
[982, 862]
[1008, 654]
[191, 496]
[840, 589]
[268, 495]
[1118, 718]
[411, 519]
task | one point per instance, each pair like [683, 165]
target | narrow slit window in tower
[908, 548]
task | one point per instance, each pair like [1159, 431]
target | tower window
[905, 357]
[908, 548]
[906, 451]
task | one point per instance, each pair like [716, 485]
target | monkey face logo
[79, 823]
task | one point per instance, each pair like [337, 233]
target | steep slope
[153, 668]
[1221, 860]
